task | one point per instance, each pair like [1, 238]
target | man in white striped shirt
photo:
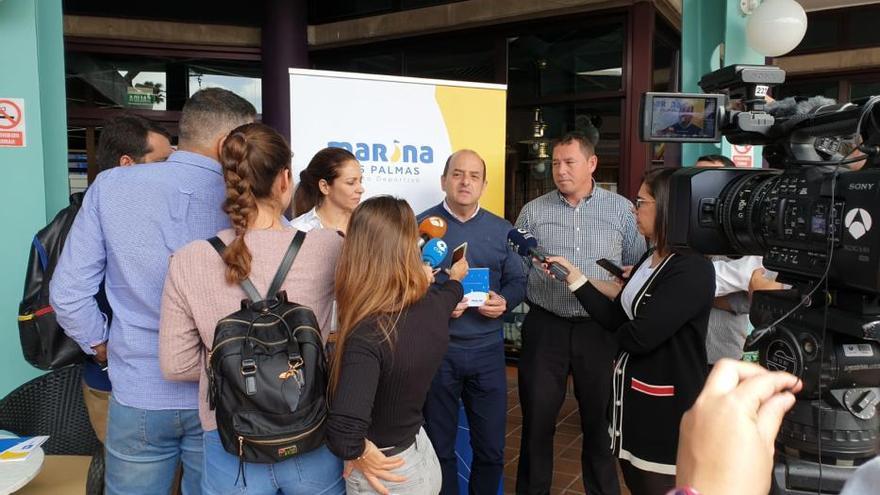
[583, 223]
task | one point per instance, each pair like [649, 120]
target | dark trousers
[642, 482]
[477, 377]
[552, 348]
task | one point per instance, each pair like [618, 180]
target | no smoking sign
[12, 126]
[742, 155]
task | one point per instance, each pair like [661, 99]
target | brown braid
[240, 205]
[252, 157]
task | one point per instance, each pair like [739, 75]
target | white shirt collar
[449, 210]
[307, 221]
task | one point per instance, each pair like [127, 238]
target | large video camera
[815, 222]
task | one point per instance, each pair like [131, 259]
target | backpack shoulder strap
[286, 262]
[50, 240]
[246, 284]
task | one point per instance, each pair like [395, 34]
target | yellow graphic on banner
[476, 119]
[395, 156]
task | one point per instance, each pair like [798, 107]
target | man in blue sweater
[474, 369]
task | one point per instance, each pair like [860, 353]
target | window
[415, 4]
[571, 74]
[462, 60]
[666, 58]
[840, 29]
[822, 32]
[389, 63]
[528, 157]
[101, 85]
[862, 27]
[322, 11]
[107, 81]
[457, 59]
[828, 88]
[865, 88]
[77, 160]
[243, 81]
[573, 60]
[842, 89]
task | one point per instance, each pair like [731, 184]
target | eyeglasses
[640, 202]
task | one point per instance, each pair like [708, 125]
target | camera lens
[747, 210]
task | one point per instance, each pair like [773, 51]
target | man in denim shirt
[131, 220]
[125, 140]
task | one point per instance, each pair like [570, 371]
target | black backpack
[267, 374]
[44, 343]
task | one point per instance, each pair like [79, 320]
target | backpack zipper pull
[241, 462]
[289, 372]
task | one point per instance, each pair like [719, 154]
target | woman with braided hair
[201, 288]
[330, 188]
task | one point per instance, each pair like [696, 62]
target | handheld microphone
[525, 244]
[434, 252]
[431, 228]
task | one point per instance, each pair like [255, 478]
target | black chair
[52, 404]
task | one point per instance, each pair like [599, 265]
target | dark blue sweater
[486, 235]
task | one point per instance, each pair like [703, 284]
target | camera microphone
[797, 105]
[434, 252]
[431, 228]
[525, 244]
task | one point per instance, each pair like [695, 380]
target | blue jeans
[318, 472]
[144, 447]
[477, 377]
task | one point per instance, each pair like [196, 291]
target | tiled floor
[567, 444]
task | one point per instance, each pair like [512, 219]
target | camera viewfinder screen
[818, 225]
[683, 117]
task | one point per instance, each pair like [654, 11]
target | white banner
[401, 130]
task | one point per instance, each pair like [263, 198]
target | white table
[14, 475]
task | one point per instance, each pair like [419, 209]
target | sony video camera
[815, 222]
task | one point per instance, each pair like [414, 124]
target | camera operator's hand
[722, 303]
[760, 281]
[725, 446]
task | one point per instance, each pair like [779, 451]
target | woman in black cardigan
[659, 318]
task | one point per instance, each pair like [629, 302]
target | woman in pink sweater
[201, 288]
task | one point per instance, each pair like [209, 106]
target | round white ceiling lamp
[775, 27]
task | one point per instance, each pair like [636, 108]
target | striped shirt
[599, 226]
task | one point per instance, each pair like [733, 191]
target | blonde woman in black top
[393, 334]
[659, 318]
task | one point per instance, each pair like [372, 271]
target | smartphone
[610, 267]
[459, 252]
